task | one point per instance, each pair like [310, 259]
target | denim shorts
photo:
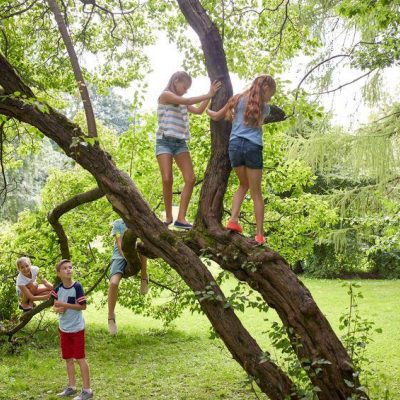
[170, 145]
[117, 266]
[242, 152]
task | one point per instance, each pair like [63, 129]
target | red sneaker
[234, 226]
[260, 239]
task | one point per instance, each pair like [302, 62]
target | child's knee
[167, 180]
[190, 179]
[113, 284]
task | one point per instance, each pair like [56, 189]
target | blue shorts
[117, 266]
[170, 145]
[242, 152]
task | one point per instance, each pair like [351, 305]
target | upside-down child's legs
[143, 266]
[71, 372]
[83, 365]
[165, 164]
[144, 281]
[254, 178]
[113, 294]
[238, 197]
[184, 163]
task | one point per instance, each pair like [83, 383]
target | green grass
[145, 361]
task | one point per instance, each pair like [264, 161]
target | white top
[23, 280]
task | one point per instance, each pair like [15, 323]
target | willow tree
[318, 349]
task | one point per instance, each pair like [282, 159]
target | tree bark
[87, 104]
[311, 335]
[126, 200]
[55, 215]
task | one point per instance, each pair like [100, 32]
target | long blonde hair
[255, 98]
[180, 76]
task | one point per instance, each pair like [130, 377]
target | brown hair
[255, 99]
[63, 261]
[181, 76]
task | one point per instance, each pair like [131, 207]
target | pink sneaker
[260, 239]
[234, 226]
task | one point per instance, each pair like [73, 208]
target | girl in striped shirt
[172, 135]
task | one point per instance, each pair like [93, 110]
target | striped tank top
[173, 121]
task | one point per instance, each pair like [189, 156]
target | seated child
[27, 287]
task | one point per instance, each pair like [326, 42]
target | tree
[264, 270]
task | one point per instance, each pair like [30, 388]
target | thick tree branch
[87, 105]
[55, 215]
[311, 335]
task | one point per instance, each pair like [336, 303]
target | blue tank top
[240, 130]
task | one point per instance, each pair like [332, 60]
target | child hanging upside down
[27, 287]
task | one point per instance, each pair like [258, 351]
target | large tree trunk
[311, 334]
[126, 200]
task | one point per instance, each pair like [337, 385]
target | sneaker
[112, 326]
[68, 391]
[234, 226]
[26, 308]
[260, 239]
[84, 395]
[144, 286]
[182, 225]
[167, 223]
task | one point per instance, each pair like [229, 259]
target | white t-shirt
[23, 280]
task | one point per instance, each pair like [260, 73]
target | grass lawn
[145, 361]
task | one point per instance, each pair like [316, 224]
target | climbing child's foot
[167, 223]
[234, 226]
[183, 225]
[260, 239]
[25, 307]
[144, 286]
[112, 326]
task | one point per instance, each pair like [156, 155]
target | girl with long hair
[247, 112]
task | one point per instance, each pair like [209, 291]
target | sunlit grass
[145, 361]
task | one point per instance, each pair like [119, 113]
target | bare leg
[238, 197]
[144, 281]
[143, 268]
[184, 162]
[83, 365]
[165, 164]
[113, 294]
[42, 289]
[254, 177]
[71, 372]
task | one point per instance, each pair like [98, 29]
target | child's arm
[218, 115]
[172, 98]
[45, 282]
[76, 306]
[58, 309]
[203, 105]
[28, 294]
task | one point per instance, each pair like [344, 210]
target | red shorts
[72, 344]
